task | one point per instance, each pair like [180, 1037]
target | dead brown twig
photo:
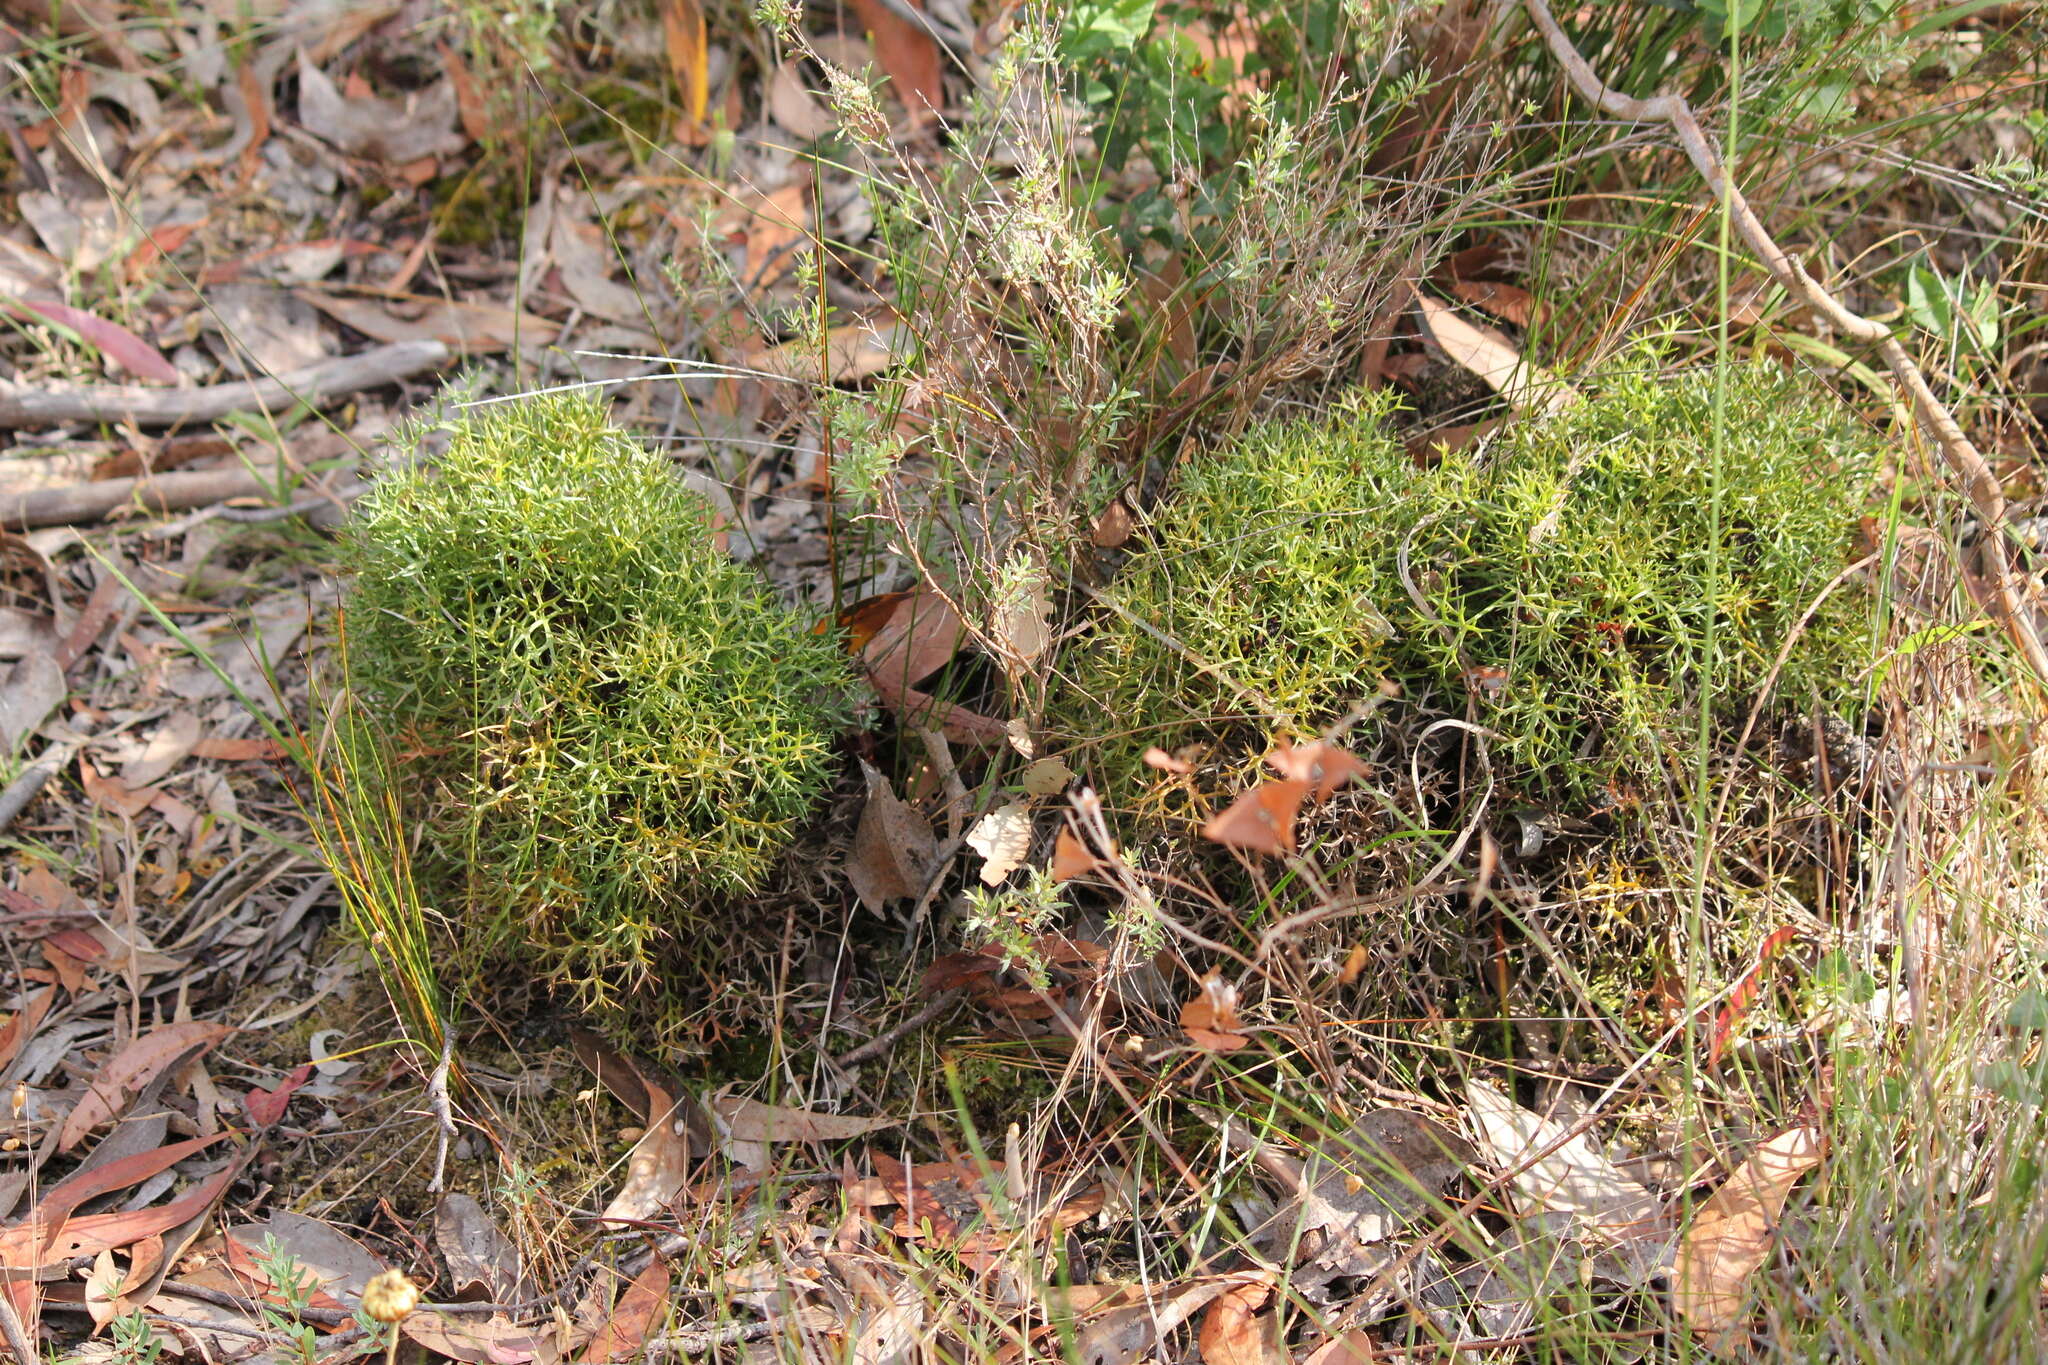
[1965, 462]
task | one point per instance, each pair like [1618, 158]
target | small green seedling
[606, 723]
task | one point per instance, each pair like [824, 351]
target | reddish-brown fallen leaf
[1071, 858]
[1322, 765]
[918, 635]
[82, 1186]
[22, 1025]
[464, 324]
[1262, 820]
[639, 1308]
[1731, 1234]
[70, 970]
[157, 243]
[110, 339]
[111, 793]
[910, 55]
[853, 351]
[659, 1165]
[475, 1341]
[752, 1121]
[237, 750]
[1234, 1332]
[94, 1233]
[1210, 1019]
[1508, 302]
[892, 848]
[130, 1069]
[266, 1107]
[956, 723]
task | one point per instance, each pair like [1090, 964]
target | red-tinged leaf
[78, 943]
[955, 970]
[893, 847]
[266, 1107]
[658, 1166]
[81, 1187]
[238, 750]
[132, 1068]
[110, 339]
[469, 101]
[1731, 1234]
[1262, 820]
[1071, 858]
[910, 56]
[475, 1341]
[156, 244]
[69, 969]
[111, 793]
[1324, 766]
[1508, 302]
[97, 1232]
[1743, 998]
[956, 723]
[22, 1026]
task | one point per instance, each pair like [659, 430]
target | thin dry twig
[1965, 462]
[882, 1042]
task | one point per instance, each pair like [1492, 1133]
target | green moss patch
[608, 724]
[1570, 587]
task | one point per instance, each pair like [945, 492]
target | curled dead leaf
[1494, 359]
[1003, 839]
[1322, 765]
[1210, 1019]
[892, 849]
[1731, 1234]
[1262, 820]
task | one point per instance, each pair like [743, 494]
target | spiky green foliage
[608, 719]
[1573, 555]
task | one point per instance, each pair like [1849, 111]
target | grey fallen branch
[148, 493]
[24, 405]
[1965, 462]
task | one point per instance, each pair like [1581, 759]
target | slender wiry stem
[1965, 462]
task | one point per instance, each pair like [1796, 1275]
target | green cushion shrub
[1572, 554]
[607, 724]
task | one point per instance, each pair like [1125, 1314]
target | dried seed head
[390, 1296]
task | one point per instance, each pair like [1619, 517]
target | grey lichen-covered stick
[27, 406]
